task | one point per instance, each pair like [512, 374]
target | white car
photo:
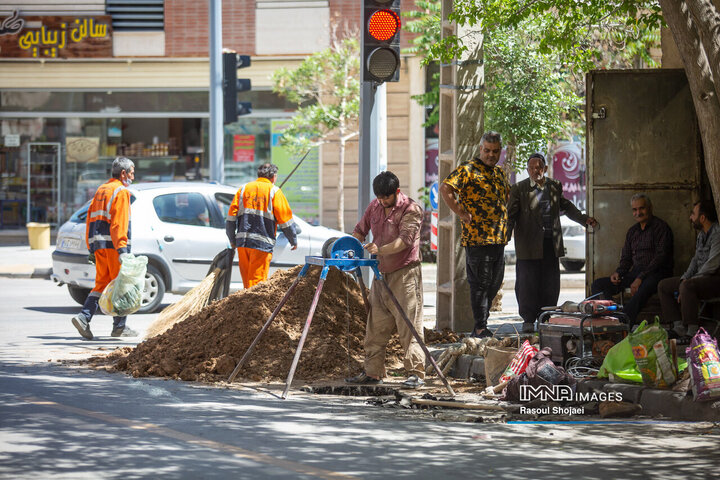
[573, 240]
[180, 227]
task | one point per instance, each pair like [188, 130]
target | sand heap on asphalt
[207, 346]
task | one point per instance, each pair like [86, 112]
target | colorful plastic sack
[620, 362]
[123, 295]
[704, 364]
[652, 355]
[519, 362]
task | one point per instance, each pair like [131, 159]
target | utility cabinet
[642, 137]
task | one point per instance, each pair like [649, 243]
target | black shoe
[413, 381]
[123, 332]
[363, 379]
[82, 325]
[481, 334]
[528, 327]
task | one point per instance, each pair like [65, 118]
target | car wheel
[154, 290]
[79, 294]
[572, 265]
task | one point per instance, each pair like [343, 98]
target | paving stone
[477, 369]
[661, 402]
[700, 411]
[630, 393]
[462, 366]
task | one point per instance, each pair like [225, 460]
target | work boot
[123, 332]
[528, 327]
[82, 325]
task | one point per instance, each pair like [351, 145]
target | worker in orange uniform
[108, 238]
[255, 214]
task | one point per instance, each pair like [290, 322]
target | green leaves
[326, 88]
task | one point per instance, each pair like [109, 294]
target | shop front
[57, 147]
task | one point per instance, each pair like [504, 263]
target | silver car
[573, 240]
[180, 227]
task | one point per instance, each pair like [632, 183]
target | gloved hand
[91, 258]
[125, 256]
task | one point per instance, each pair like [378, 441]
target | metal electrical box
[642, 137]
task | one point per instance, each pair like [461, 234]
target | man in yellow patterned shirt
[482, 191]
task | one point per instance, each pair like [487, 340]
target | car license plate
[70, 243]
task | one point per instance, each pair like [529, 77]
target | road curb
[35, 273]
[668, 404]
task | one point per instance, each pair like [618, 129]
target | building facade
[83, 82]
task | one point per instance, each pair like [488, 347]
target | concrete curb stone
[678, 406]
[630, 393]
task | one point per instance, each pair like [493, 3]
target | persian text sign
[243, 148]
[56, 37]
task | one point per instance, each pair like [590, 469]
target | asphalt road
[62, 421]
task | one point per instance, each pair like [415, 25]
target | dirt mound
[208, 345]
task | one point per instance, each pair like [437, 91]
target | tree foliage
[576, 30]
[527, 98]
[326, 88]
[425, 24]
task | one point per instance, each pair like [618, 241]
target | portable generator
[585, 329]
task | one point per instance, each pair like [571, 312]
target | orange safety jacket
[108, 218]
[256, 211]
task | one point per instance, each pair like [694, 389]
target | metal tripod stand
[344, 262]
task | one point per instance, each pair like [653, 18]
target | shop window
[133, 15]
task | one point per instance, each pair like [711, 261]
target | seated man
[700, 281]
[646, 258]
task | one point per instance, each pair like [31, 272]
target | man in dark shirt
[647, 258]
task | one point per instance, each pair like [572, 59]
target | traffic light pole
[373, 140]
[216, 137]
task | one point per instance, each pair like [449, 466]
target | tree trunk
[706, 17]
[700, 77]
[341, 183]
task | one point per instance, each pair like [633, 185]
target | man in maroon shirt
[394, 220]
[646, 258]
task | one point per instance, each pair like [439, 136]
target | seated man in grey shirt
[680, 296]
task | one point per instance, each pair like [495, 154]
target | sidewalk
[22, 262]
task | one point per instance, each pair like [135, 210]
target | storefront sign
[243, 148]
[12, 140]
[303, 188]
[55, 37]
[82, 149]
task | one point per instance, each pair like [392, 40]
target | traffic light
[232, 85]
[381, 41]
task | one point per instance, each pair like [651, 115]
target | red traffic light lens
[383, 25]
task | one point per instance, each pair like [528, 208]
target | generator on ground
[586, 329]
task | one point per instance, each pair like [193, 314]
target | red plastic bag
[520, 362]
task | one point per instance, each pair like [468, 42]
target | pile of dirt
[208, 345]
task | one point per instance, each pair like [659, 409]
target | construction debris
[207, 345]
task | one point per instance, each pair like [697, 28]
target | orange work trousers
[254, 265]
[107, 267]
